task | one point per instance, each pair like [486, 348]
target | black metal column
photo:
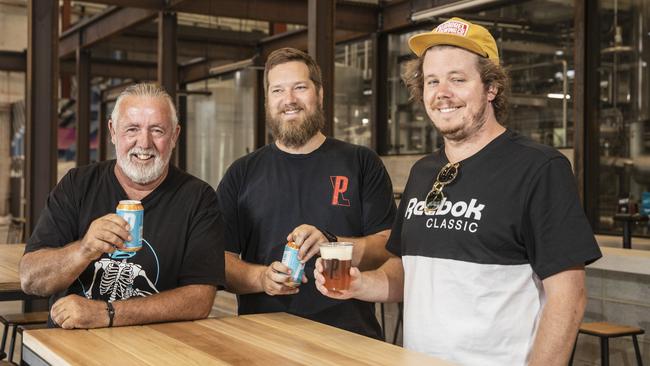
[380, 93]
[83, 106]
[321, 16]
[102, 129]
[260, 110]
[42, 93]
[167, 64]
[587, 106]
[181, 146]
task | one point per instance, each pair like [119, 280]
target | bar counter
[260, 339]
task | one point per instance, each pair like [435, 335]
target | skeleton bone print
[117, 279]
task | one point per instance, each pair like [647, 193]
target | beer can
[291, 260]
[133, 213]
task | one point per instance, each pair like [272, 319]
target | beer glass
[337, 260]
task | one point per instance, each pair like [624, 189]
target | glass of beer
[337, 260]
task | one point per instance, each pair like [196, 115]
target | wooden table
[10, 255]
[260, 339]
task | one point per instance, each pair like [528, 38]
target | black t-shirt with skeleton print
[182, 234]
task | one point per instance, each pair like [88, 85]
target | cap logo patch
[453, 27]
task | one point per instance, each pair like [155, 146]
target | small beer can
[291, 260]
[133, 213]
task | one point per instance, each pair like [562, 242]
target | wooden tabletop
[260, 339]
[10, 255]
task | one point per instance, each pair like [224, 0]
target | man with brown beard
[490, 241]
[306, 188]
[74, 253]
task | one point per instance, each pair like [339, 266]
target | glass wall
[624, 116]
[220, 126]
[353, 92]
[538, 54]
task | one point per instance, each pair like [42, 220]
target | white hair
[144, 90]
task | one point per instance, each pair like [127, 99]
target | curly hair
[491, 73]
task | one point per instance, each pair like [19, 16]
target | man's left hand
[307, 237]
[74, 311]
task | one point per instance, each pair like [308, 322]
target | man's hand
[276, 280]
[356, 283]
[74, 311]
[104, 235]
[307, 237]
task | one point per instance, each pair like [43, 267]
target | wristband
[111, 313]
[329, 236]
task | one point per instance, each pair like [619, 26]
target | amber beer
[337, 261]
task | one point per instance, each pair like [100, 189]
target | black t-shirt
[183, 233]
[511, 218]
[339, 187]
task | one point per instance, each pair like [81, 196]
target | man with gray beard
[75, 253]
[306, 188]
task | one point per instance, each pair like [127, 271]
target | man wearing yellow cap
[490, 240]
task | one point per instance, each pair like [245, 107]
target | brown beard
[296, 133]
[466, 130]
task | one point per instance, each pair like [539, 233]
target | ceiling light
[449, 8]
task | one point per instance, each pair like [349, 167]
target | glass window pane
[624, 116]
[353, 92]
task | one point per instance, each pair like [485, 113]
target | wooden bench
[605, 331]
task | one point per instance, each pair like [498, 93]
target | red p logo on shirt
[339, 186]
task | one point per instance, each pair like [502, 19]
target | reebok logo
[456, 209]
[339, 186]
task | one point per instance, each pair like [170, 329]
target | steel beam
[138, 70]
[42, 92]
[586, 108]
[181, 146]
[259, 138]
[167, 64]
[396, 15]
[351, 15]
[102, 130]
[185, 49]
[100, 27]
[320, 34]
[83, 107]
[379, 93]
[13, 61]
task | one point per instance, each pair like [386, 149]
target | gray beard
[295, 134]
[142, 174]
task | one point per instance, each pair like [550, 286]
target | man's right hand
[104, 235]
[276, 280]
[356, 283]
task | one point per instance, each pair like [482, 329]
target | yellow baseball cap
[460, 33]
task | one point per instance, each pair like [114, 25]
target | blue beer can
[133, 213]
[291, 260]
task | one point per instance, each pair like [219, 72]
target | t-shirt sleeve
[394, 243]
[557, 233]
[204, 262]
[57, 224]
[228, 196]
[377, 196]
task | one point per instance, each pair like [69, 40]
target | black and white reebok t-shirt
[473, 269]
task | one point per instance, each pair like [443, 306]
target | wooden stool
[14, 320]
[605, 331]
